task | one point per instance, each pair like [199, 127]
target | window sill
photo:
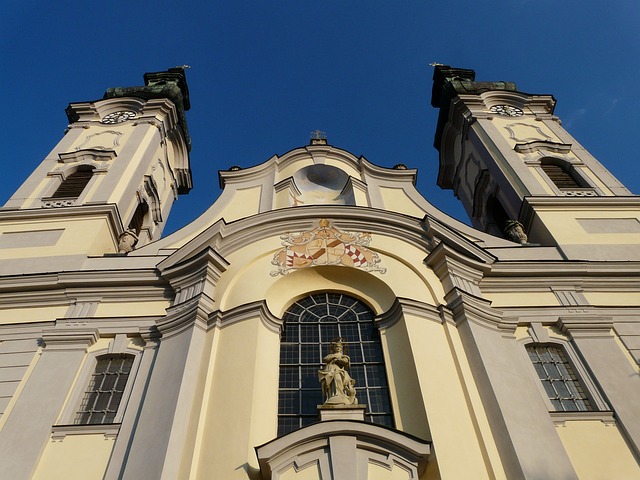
[559, 418]
[109, 430]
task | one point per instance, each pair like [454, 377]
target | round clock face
[507, 110]
[118, 117]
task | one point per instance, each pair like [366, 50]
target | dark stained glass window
[102, 398]
[310, 325]
[560, 382]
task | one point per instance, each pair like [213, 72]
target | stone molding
[60, 432]
[248, 311]
[342, 450]
[467, 307]
[68, 337]
[411, 306]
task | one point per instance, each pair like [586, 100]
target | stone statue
[127, 241]
[337, 385]
[515, 232]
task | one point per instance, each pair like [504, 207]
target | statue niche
[337, 385]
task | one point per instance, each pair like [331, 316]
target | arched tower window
[496, 217]
[137, 221]
[560, 173]
[73, 185]
[310, 325]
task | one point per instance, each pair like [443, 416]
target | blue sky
[266, 73]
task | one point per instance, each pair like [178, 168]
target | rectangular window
[563, 387]
[102, 398]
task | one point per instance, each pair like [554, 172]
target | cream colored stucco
[566, 228]
[598, 451]
[89, 234]
[76, 457]
[396, 200]
[245, 382]
[522, 299]
[525, 129]
[441, 391]
[311, 472]
[618, 299]
[378, 472]
[116, 309]
[245, 202]
[32, 314]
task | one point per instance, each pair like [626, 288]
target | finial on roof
[318, 137]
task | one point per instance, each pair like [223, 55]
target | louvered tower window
[560, 177]
[73, 185]
[103, 396]
[310, 325]
[137, 221]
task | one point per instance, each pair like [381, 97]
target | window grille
[73, 185]
[310, 325]
[102, 398]
[563, 387]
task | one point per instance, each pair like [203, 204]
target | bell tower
[521, 175]
[123, 161]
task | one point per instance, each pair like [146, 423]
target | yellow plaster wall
[425, 350]
[567, 230]
[245, 202]
[312, 472]
[32, 314]
[132, 309]
[77, 457]
[525, 129]
[614, 299]
[252, 277]
[378, 472]
[598, 451]
[521, 299]
[245, 382]
[396, 200]
[88, 235]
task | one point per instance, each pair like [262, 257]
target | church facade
[321, 320]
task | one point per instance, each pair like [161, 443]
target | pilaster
[28, 428]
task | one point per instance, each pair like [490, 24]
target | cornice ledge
[66, 336]
[464, 247]
[455, 270]
[230, 237]
[467, 307]
[411, 306]
[108, 209]
[193, 312]
[390, 175]
[542, 145]
[582, 326]
[219, 319]
[631, 201]
[193, 275]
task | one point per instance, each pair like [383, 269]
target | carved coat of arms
[325, 245]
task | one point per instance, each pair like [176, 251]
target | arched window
[73, 185]
[560, 173]
[102, 398]
[310, 325]
[137, 221]
[565, 390]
